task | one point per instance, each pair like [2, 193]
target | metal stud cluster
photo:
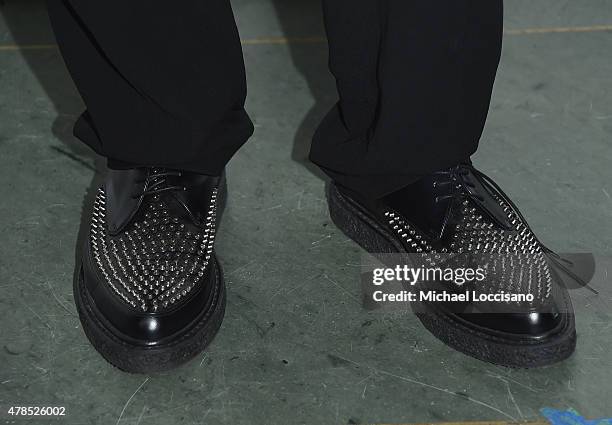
[513, 259]
[156, 262]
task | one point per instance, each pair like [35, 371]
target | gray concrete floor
[296, 346]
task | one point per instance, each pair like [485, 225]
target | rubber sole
[356, 223]
[150, 359]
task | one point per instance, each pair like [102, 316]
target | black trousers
[164, 84]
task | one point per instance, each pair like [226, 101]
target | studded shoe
[461, 213]
[150, 294]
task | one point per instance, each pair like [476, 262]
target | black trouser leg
[414, 80]
[163, 83]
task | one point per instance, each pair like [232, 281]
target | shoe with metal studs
[150, 294]
[460, 213]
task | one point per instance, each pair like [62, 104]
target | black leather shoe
[150, 294]
[462, 213]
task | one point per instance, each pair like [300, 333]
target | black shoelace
[462, 187]
[157, 182]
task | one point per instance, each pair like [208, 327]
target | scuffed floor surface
[296, 345]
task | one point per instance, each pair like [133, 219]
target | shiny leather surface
[418, 202]
[429, 207]
[125, 188]
[521, 323]
[121, 187]
[423, 203]
[195, 199]
[527, 325]
[146, 328]
[125, 191]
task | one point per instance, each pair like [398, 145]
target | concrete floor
[296, 346]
